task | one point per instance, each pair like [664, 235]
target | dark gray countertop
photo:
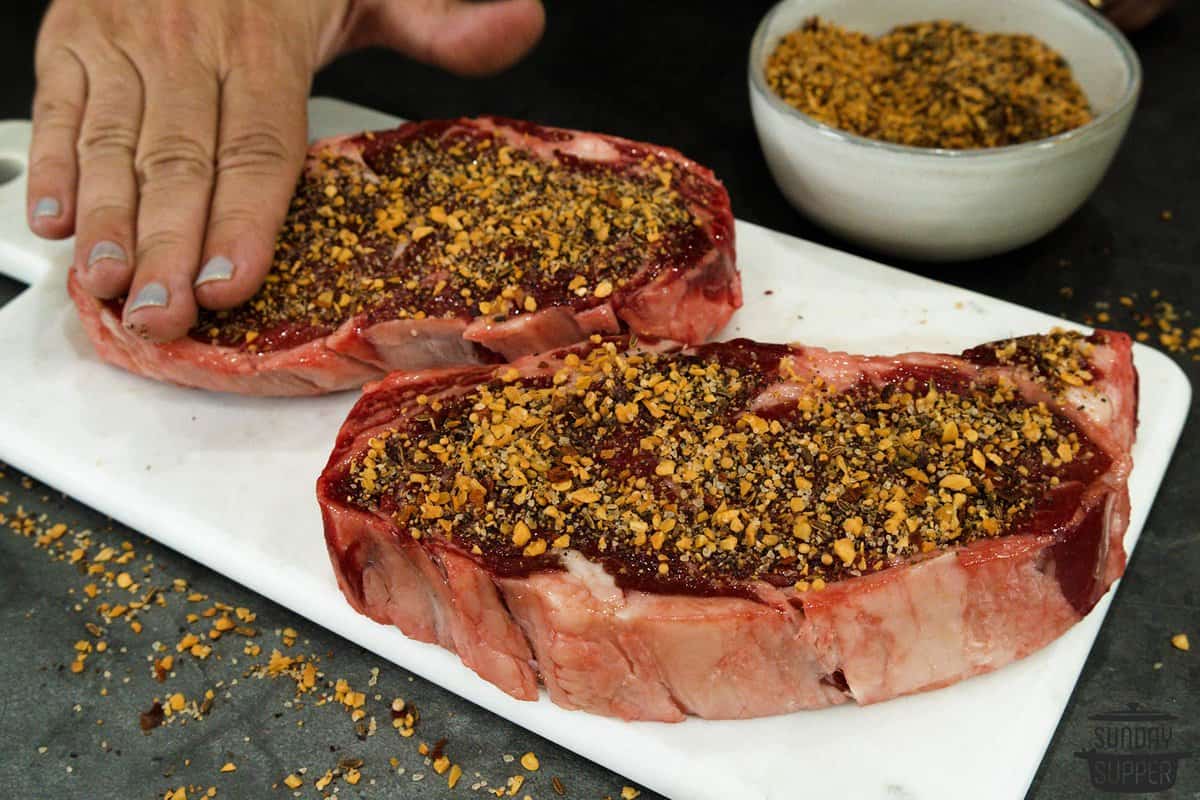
[671, 72]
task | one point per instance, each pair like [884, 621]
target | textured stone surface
[95, 747]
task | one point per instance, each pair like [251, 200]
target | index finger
[53, 167]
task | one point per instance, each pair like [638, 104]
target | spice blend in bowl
[943, 190]
[928, 84]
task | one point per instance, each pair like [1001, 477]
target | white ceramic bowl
[942, 205]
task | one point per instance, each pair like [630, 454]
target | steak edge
[605, 643]
[662, 266]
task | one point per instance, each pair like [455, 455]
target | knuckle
[259, 46]
[103, 54]
[106, 213]
[107, 137]
[256, 26]
[238, 217]
[118, 82]
[176, 22]
[63, 130]
[179, 39]
[48, 163]
[175, 157]
[53, 110]
[251, 149]
[159, 245]
[56, 48]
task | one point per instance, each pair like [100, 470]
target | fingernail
[106, 251]
[218, 268]
[152, 295]
[46, 207]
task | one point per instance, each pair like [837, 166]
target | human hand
[168, 135]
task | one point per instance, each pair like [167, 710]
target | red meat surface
[604, 626]
[558, 234]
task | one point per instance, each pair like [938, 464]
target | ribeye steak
[459, 242]
[738, 529]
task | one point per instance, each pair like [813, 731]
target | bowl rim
[1088, 15]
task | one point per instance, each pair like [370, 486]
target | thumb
[466, 37]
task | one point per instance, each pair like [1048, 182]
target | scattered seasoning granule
[1180, 642]
[1151, 321]
[149, 720]
[101, 584]
[928, 84]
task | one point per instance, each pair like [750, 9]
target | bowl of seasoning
[940, 129]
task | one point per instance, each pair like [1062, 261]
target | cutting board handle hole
[10, 170]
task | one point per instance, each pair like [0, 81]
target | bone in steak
[458, 242]
[738, 529]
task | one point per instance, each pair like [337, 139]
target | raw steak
[458, 242]
[738, 529]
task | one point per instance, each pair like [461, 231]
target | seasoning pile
[675, 467]
[928, 84]
[449, 223]
[125, 598]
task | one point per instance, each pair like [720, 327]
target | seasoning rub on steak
[458, 242]
[738, 529]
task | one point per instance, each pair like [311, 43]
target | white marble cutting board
[228, 481]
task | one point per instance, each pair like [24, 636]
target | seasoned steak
[458, 242]
[738, 529]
